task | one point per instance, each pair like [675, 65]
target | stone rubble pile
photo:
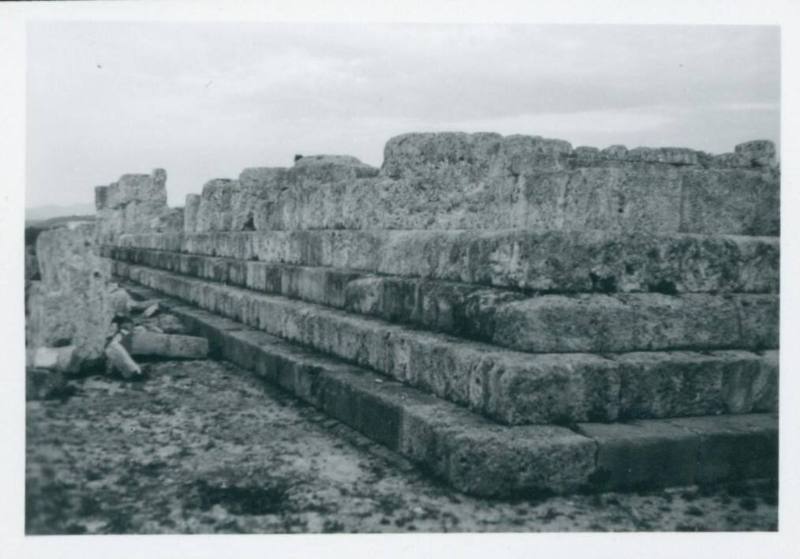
[78, 320]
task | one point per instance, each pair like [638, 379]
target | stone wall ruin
[557, 306]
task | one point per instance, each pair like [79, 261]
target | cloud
[205, 100]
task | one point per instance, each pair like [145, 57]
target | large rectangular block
[509, 386]
[631, 322]
[734, 447]
[642, 454]
[552, 261]
[166, 345]
[670, 384]
[545, 323]
[482, 458]
[731, 201]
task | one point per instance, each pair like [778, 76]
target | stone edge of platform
[479, 457]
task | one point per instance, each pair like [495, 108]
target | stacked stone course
[510, 312]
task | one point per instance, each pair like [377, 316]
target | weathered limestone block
[131, 204]
[764, 393]
[677, 383]
[672, 156]
[602, 323]
[61, 359]
[731, 201]
[482, 460]
[759, 316]
[332, 168]
[72, 305]
[118, 359]
[631, 197]
[256, 199]
[758, 153]
[487, 181]
[190, 213]
[733, 446]
[137, 188]
[750, 388]
[166, 345]
[642, 453]
[171, 221]
[555, 261]
[468, 155]
[214, 213]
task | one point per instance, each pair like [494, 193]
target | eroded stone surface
[591, 261]
[133, 204]
[487, 181]
[72, 304]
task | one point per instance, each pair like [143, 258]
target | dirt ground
[202, 447]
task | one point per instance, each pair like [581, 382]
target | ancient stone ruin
[510, 313]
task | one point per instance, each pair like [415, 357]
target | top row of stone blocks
[484, 181]
[412, 154]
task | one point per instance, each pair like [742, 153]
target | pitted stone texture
[170, 221]
[215, 211]
[677, 383]
[456, 153]
[758, 153]
[672, 156]
[174, 346]
[560, 262]
[544, 323]
[131, 204]
[133, 188]
[733, 447]
[256, 198]
[479, 457]
[760, 321]
[190, 213]
[601, 323]
[73, 303]
[484, 378]
[471, 453]
[487, 181]
[332, 168]
[732, 201]
[509, 386]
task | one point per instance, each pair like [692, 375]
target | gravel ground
[203, 447]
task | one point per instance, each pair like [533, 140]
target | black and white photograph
[303, 277]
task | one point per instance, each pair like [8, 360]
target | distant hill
[55, 221]
[41, 213]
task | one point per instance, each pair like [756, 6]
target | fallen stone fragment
[166, 345]
[170, 324]
[151, 310]
[142, 306]
[121, 302]
[60, 359]
[121, 361]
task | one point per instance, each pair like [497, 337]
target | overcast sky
[206, 100]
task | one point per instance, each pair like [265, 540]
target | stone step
[508, 386]
[482, 458]
[551, 262]
[594, 323]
